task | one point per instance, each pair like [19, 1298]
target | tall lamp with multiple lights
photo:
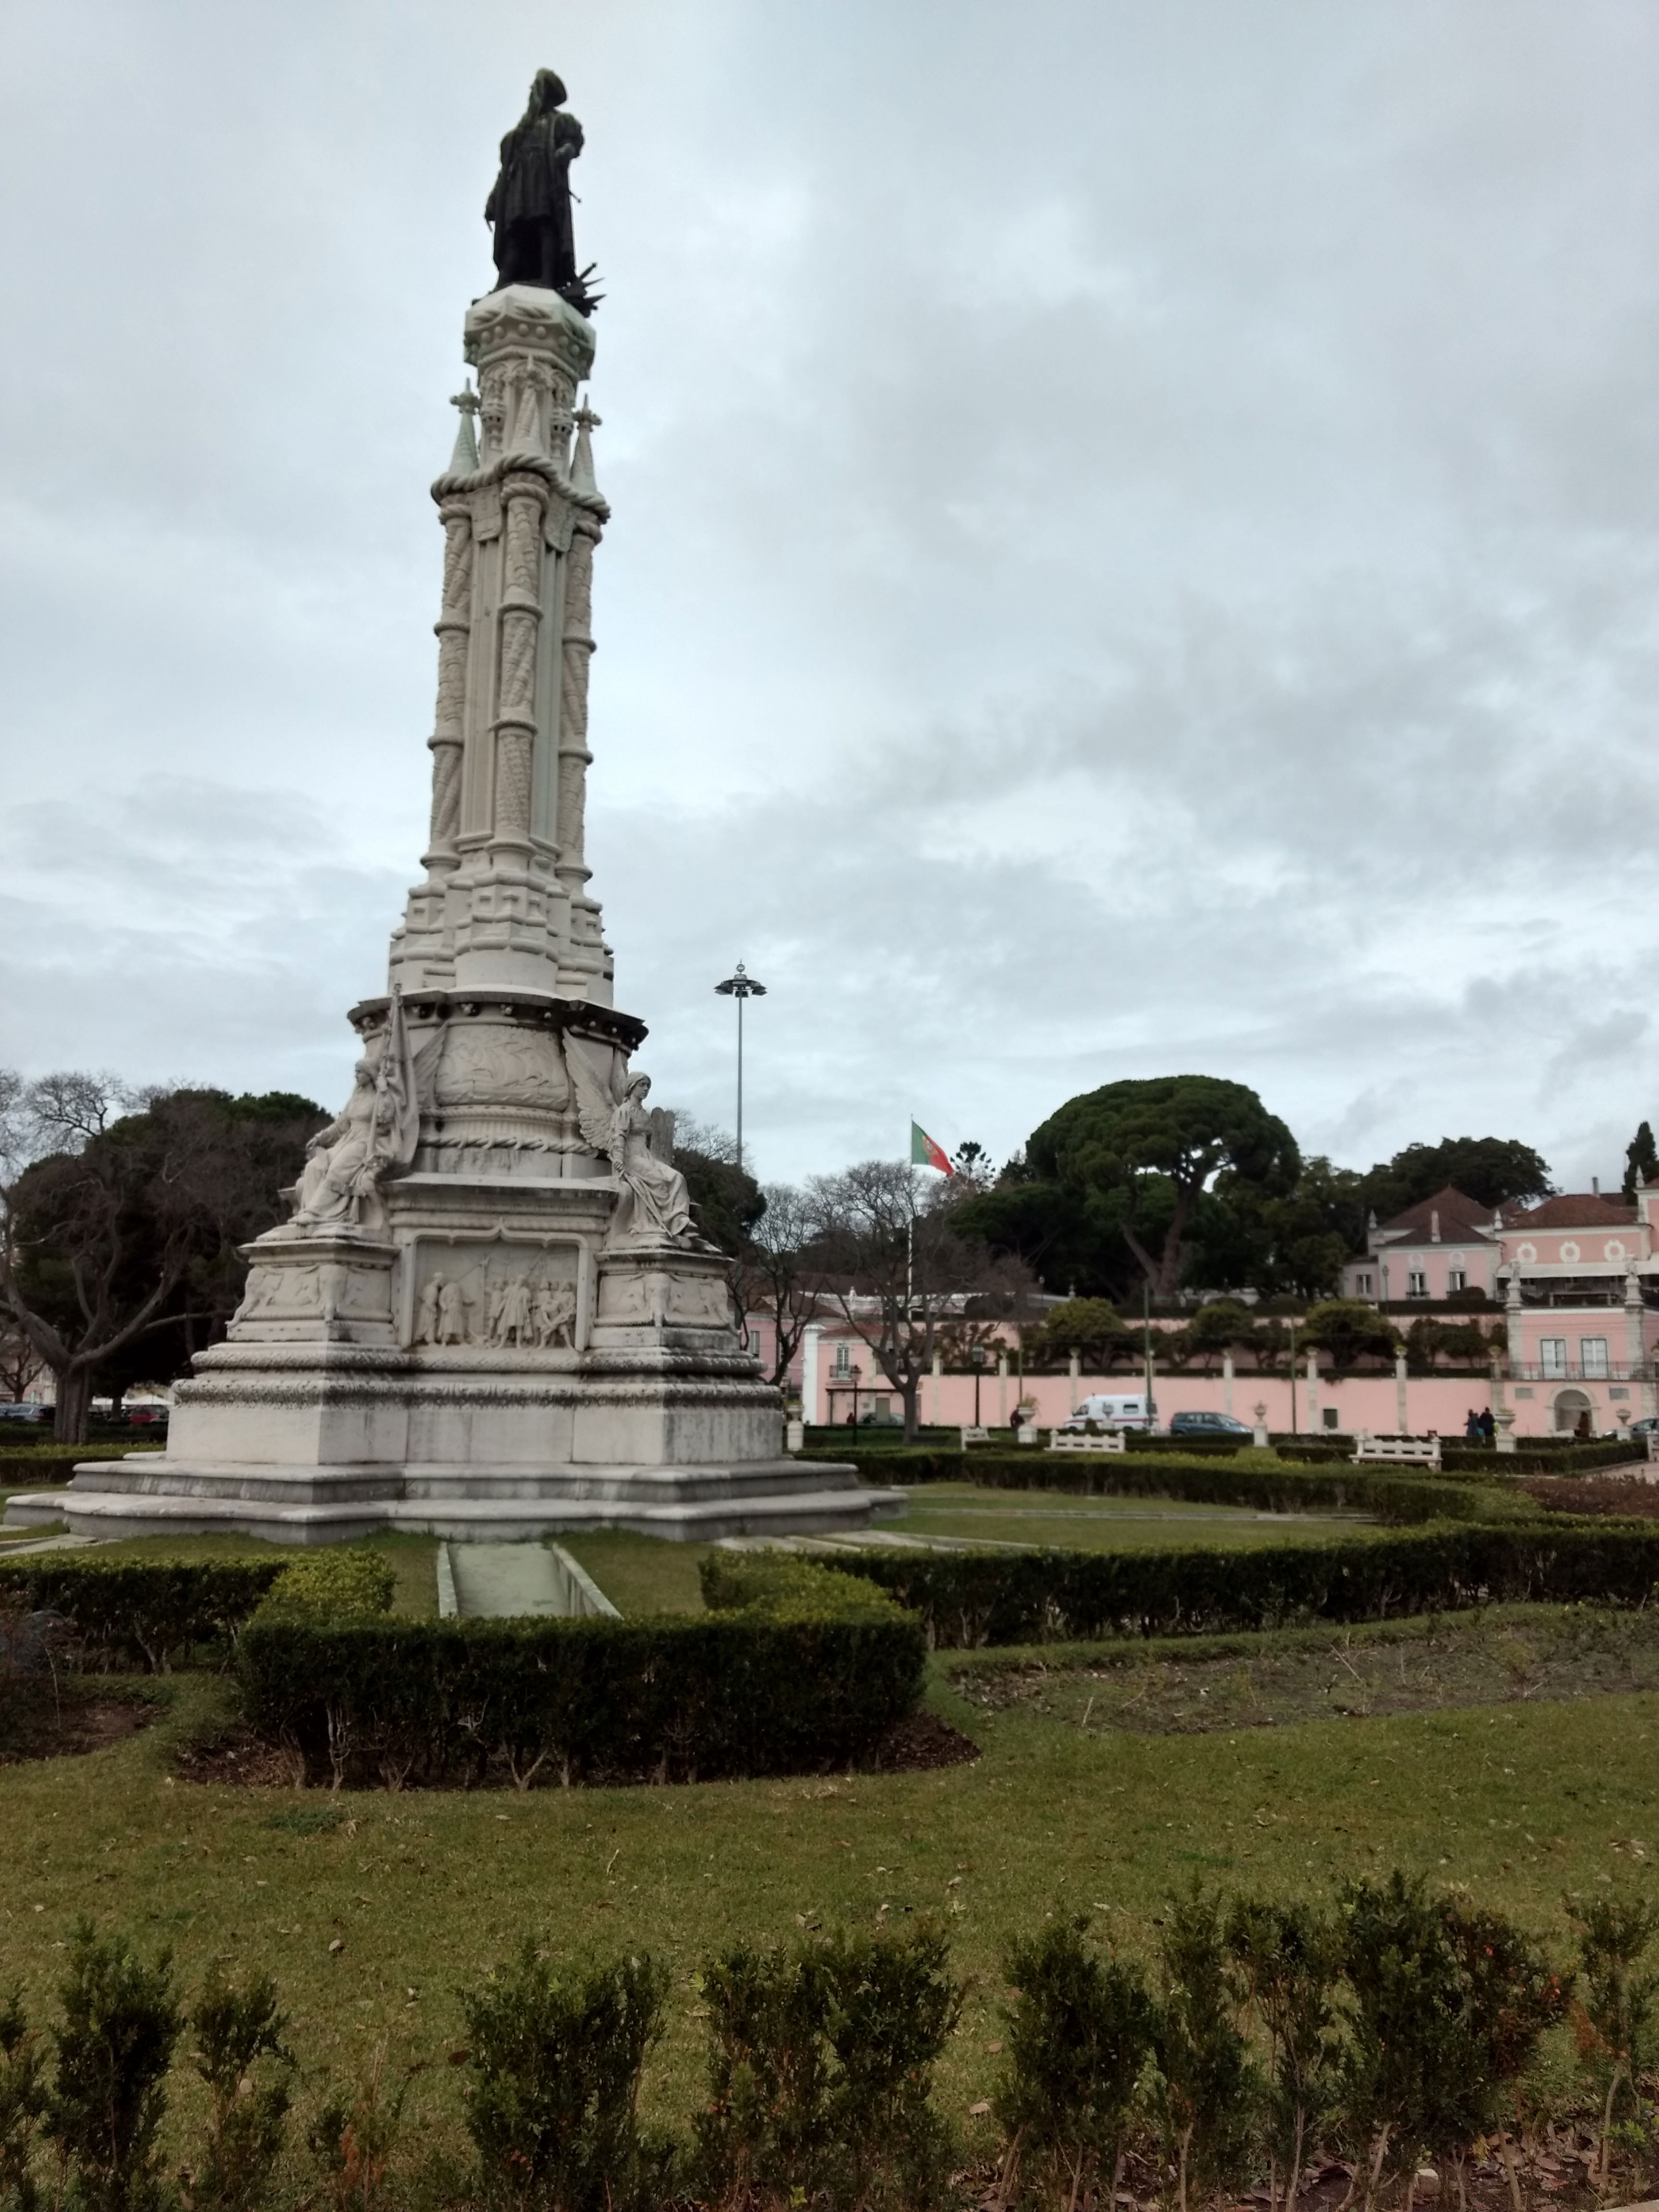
[741, 986]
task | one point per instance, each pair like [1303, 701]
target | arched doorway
[1569, 1406]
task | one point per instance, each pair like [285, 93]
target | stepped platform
[146, 1496]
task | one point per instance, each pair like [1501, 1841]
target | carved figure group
[515, 1311]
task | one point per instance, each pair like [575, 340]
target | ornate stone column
[454, 630]
[524, 501]
[588, 965]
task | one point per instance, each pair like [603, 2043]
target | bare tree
[20, 1364]
[776, 1274]
[886, 1256]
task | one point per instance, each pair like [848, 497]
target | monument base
[144, 1495]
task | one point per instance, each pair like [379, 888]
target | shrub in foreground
[1395, 2026]
[120, 2023]
[820, 2072]
[552, 2103]
[1078, 2033]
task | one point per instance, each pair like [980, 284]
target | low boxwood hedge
[1402, 1499]
[967, 1599]
[153, 1613]
[447, 1702]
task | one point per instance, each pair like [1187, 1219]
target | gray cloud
[1135, 544]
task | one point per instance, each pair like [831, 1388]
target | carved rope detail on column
[453, 628]
[520, 623]
[578, 649]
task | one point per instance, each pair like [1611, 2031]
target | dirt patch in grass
[923, 1741]
[1429, 1666]
[66, 1720]
[1626, 1496]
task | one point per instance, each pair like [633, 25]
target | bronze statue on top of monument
[529, 203]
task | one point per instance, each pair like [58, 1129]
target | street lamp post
[977, 1355]
[741, 986]
[855, 1370]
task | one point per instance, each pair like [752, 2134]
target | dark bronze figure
[529, 202]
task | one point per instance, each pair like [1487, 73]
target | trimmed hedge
[967, 1599]
[432, 1703]
[1402, 1499]
[152, 1614]
[785, 1587]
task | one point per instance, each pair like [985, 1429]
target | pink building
[1448, 1244]
[1581, 1297]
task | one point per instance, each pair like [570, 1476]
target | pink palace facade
[1575, 1279]
[1578, 1278]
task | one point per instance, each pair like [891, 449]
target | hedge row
[435, 1703]
[1402, 1499]
[1394, 2026]
[967, 1599]
[21, 1464]
[152, 1614]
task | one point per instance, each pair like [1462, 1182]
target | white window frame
[1365, 1284]
[1458, 1280]
[1417, 1283]
[1593, 1358]
[1552, 1358]
[842, 1365]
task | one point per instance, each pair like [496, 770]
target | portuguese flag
[925, 1153]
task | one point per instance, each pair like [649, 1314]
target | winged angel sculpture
[655, 1206]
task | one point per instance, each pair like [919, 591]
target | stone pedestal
[491, 1312]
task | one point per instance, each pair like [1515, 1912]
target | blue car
[1208, 1425]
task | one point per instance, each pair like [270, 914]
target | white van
[1132, 1410]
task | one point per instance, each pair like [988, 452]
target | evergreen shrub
[450, 1702]
[552, 2100]
[968, 1599]
[820, 2063]
[151, 1614]
[344, 1582]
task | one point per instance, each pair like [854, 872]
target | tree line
[124, 1213]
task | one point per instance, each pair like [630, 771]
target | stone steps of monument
[149, 1474]
[668, 1485]
[125, 1514]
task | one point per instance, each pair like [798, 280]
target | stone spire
[505, 903]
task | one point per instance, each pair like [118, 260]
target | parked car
[1128, 1410]
[1208, 1425]
[25, 1412]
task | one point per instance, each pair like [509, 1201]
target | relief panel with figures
[501, 1296]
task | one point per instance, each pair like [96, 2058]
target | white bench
[1081, 1440]
[973, 1436]
[1399, 1451]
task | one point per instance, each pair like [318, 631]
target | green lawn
[964, 1509]
[640, 1574]
[1519, 1800]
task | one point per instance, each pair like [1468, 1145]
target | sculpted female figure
[657, 1205]
[342, 1161]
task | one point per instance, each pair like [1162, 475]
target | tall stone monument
[491, 1313]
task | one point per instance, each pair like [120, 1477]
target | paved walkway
[516, 1581]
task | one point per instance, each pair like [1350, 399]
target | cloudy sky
[1135, 544]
